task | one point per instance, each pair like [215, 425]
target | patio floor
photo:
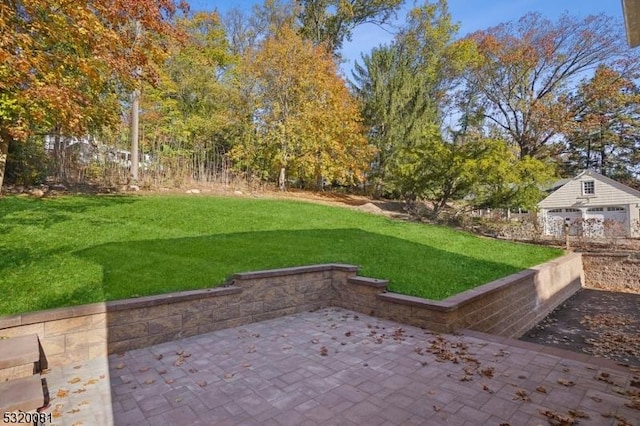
[337, 367]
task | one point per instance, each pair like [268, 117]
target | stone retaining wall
[612, 271]
[506, 307]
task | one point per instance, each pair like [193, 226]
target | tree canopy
[62, 63]
[529, 66]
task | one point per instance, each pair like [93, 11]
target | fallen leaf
[228, 376]
[324, 351]
[143, 369]
[522, 395]
[62, 393]
[76, 367]
[149, 381]
[73, 411]
[120, 366]
[634, 403]
[486, 388]
[75, 380]
[169, 381]
[81, 390]
[565, 382]
[578, 414]
[541, 389]
[202, 384]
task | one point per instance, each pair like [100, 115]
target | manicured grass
[74, 250]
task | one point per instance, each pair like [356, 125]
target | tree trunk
[4, 151]
[282, 179]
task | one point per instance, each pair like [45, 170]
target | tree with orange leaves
[63, 63]
[528, 68]
[605, 131]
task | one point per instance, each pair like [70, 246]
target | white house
[593, 205]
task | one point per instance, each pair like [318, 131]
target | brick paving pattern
[337, 367]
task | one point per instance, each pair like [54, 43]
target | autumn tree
[528, 68]
[304, 124]
[247, 30]
[331, 22]
[62, 63]
[188, 110]
[605, 131]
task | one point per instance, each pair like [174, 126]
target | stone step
[19, 350]
[26, 394]
[21, 356]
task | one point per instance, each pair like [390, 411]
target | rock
[38, 193]
[59, 187]
[193, 191]
[237, 192]
[133, 188]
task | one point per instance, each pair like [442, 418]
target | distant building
[592, 205]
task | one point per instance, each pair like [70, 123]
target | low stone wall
[506, 307]
[612, 271]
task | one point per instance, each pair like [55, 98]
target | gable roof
[563, 192]
[614, 183]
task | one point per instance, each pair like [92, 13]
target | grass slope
[74, 250]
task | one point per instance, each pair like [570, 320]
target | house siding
[571, 194]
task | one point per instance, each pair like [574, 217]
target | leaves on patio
[522, 395]
[557, 419]
[566, 382]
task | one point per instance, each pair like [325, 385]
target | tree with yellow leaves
[63, 63]
[303, 124]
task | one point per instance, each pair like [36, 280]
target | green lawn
[74, 250]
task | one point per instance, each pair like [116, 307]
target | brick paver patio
[337, 367]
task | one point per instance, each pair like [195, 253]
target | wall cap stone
[461, 299]
[371, 282]
[269, 273]
[116, 305]
[420, 302]
[160, 299]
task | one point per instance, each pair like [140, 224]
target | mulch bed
[601, 323]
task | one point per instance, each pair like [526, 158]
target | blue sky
[471, 14]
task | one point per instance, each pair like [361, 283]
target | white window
[555, 211]
[588, 187]
[571, 210]
[615, 209]
[595, 209]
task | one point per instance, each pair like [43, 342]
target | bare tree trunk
[281, 179]
[4, 151]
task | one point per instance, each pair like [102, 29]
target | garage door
[616, 221]
[608, 221]
[593, 225]
[556, 219]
